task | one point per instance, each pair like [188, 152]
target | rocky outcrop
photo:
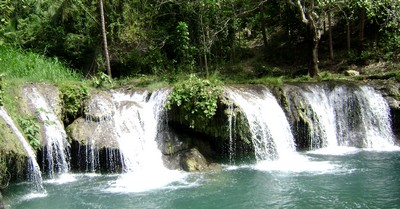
[92, 138]
[51, 104]
[296, 112]
[212, 138]
[183, 147]
[13, 158]
[194, 161]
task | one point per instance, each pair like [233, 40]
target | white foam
[335, 150]
[297, 164]
[62, 179]
[33, 195]
[141, 181]
[384, 149]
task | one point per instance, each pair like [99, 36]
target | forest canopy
[173, 36]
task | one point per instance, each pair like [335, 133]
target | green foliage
[102, 80]
[16, 63]
[73, 98]
[31, 128]
[392, 46]
[274, 81]
[197, 99]
[4, 174]
[183, 48]
[2, 84]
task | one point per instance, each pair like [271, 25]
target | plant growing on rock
[196, 98]
[30, 127]
[73, 98]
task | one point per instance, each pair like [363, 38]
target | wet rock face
[291, 101]
[99, 107]
[390, 90]
[1, 202]
[193, 161]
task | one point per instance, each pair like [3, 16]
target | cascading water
[231, 126]
[136, 122]
[320, 115]
[56, 155]
[271, 134]
[33, 172]
[351, 116]
[363, 118]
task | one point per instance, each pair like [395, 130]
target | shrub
[197, 99]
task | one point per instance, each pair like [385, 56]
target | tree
[104, 34]
[309, 12]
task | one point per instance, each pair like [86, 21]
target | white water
[351, 117]
[376, 119]
[232, 134]
[136, 123]
[321, 117]
[54, 134]
[34, 174]
[271, 134]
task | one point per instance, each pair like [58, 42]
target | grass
[15, 63]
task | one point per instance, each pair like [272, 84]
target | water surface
[351, 178]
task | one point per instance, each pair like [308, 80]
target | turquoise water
[350, 179]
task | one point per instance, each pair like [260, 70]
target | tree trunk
[330, 36]
[316, 36]
[205, 49]
[262, 19]
[314, 70]
[104, 33]
[348, 37]
[361, 27]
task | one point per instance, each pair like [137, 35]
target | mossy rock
[194, 161]
[12, 156]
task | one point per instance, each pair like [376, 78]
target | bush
[197, 99]
[73, 98]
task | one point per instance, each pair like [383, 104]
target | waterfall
[56, 154]
[363, 118]
[92, 157]
[320, 116]
[232, 134]
[136, 123]
[352, 116]
[33, 171]
[271, 135]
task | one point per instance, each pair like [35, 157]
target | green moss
[12, 156]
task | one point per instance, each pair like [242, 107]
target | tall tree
[308, 11]
[104, 34]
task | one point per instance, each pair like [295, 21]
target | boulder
[99, 107]
[193, 161]
[351, 73]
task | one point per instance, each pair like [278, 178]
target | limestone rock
[85, 132]
[99, 107]
[194, 161]
[351, 73]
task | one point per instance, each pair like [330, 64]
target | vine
[197, 99]
[31, 128]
